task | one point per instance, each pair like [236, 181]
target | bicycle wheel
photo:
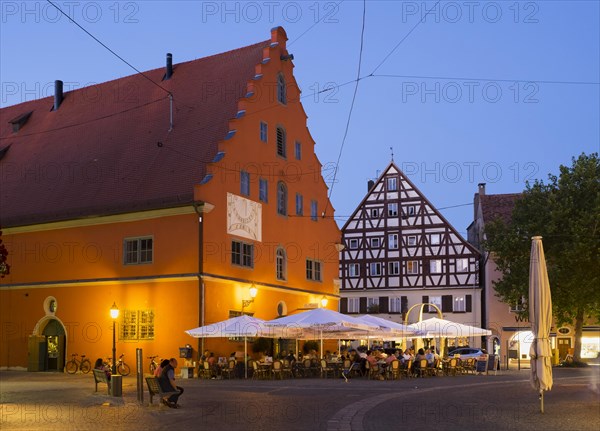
[86, 366]
[71, 367]
[123, 369]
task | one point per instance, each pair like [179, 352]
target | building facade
[169, 198]
[511, 331]
[399, 251]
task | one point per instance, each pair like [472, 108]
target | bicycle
[73, 365]
[153, 364]
[122, 368]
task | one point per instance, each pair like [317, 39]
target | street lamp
[324, 302]
[247, 302]
[114, 313]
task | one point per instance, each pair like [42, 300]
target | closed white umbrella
[540, 317]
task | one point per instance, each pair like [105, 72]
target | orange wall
[95, 252]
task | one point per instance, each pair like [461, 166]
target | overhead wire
[108, 48]
[337, 164]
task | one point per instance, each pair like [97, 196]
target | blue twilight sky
[477, 91]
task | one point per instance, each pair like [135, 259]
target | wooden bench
[101, 377]
[155, 389]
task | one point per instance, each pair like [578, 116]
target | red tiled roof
[498, 206]
[107, 148]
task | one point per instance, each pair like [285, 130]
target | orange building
[169, 194]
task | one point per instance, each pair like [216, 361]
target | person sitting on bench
[167, 384]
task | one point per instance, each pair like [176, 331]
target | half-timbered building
[400, 251]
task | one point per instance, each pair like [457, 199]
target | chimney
[169, 72]
[481, 189]
[370, 185]
[477, 199]
[58, 94]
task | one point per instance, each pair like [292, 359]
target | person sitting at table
[268, 358]
[290, 357]
[430, 357]
[391, 357]
[231, 357]
[371, 358]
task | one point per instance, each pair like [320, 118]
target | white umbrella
[241, 327]
[324, 322]
[435, 327]
[540, 317]
[394, 328]
[442, 328]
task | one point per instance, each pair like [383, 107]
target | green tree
[565, 211]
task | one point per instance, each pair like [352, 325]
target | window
[281, 198]
[392, 184]
[374, 213]
[299, 204]
[411, 240]
[435, 266]
[412, 267]
[395, 305]
[353, 305]
[375, 243]
[281, 264]
[434, 238]
[392, 210]
[462, 265]
[371, 302]
[281, 90]
[393, 268]
[353, 270]
[264, 129]
[263, 190]
[459, 304]
[281, 144]
[375, 268]
[242, 254]
[410, 210]
[137, 325]
[138, 251]
[393, 241]
[353, 243]
[435, 300]
[298, 150]
[245, 183]
[313, 210]
[313, 270]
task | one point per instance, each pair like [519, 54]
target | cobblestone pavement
[55, 401]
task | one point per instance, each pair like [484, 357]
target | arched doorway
[47, 343]
[55, 345]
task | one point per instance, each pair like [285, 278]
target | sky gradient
[495, 92]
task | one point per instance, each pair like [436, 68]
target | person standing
[167, 383]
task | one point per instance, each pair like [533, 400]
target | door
[564, 346]
[55, 345]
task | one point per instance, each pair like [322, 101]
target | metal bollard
[116, 385]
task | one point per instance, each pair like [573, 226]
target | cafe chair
[326, 369]
[393, 370]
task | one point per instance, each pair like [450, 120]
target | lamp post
[247, 302]
[324, 302]
[114, 313]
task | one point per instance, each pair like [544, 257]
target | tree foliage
[565, 211]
